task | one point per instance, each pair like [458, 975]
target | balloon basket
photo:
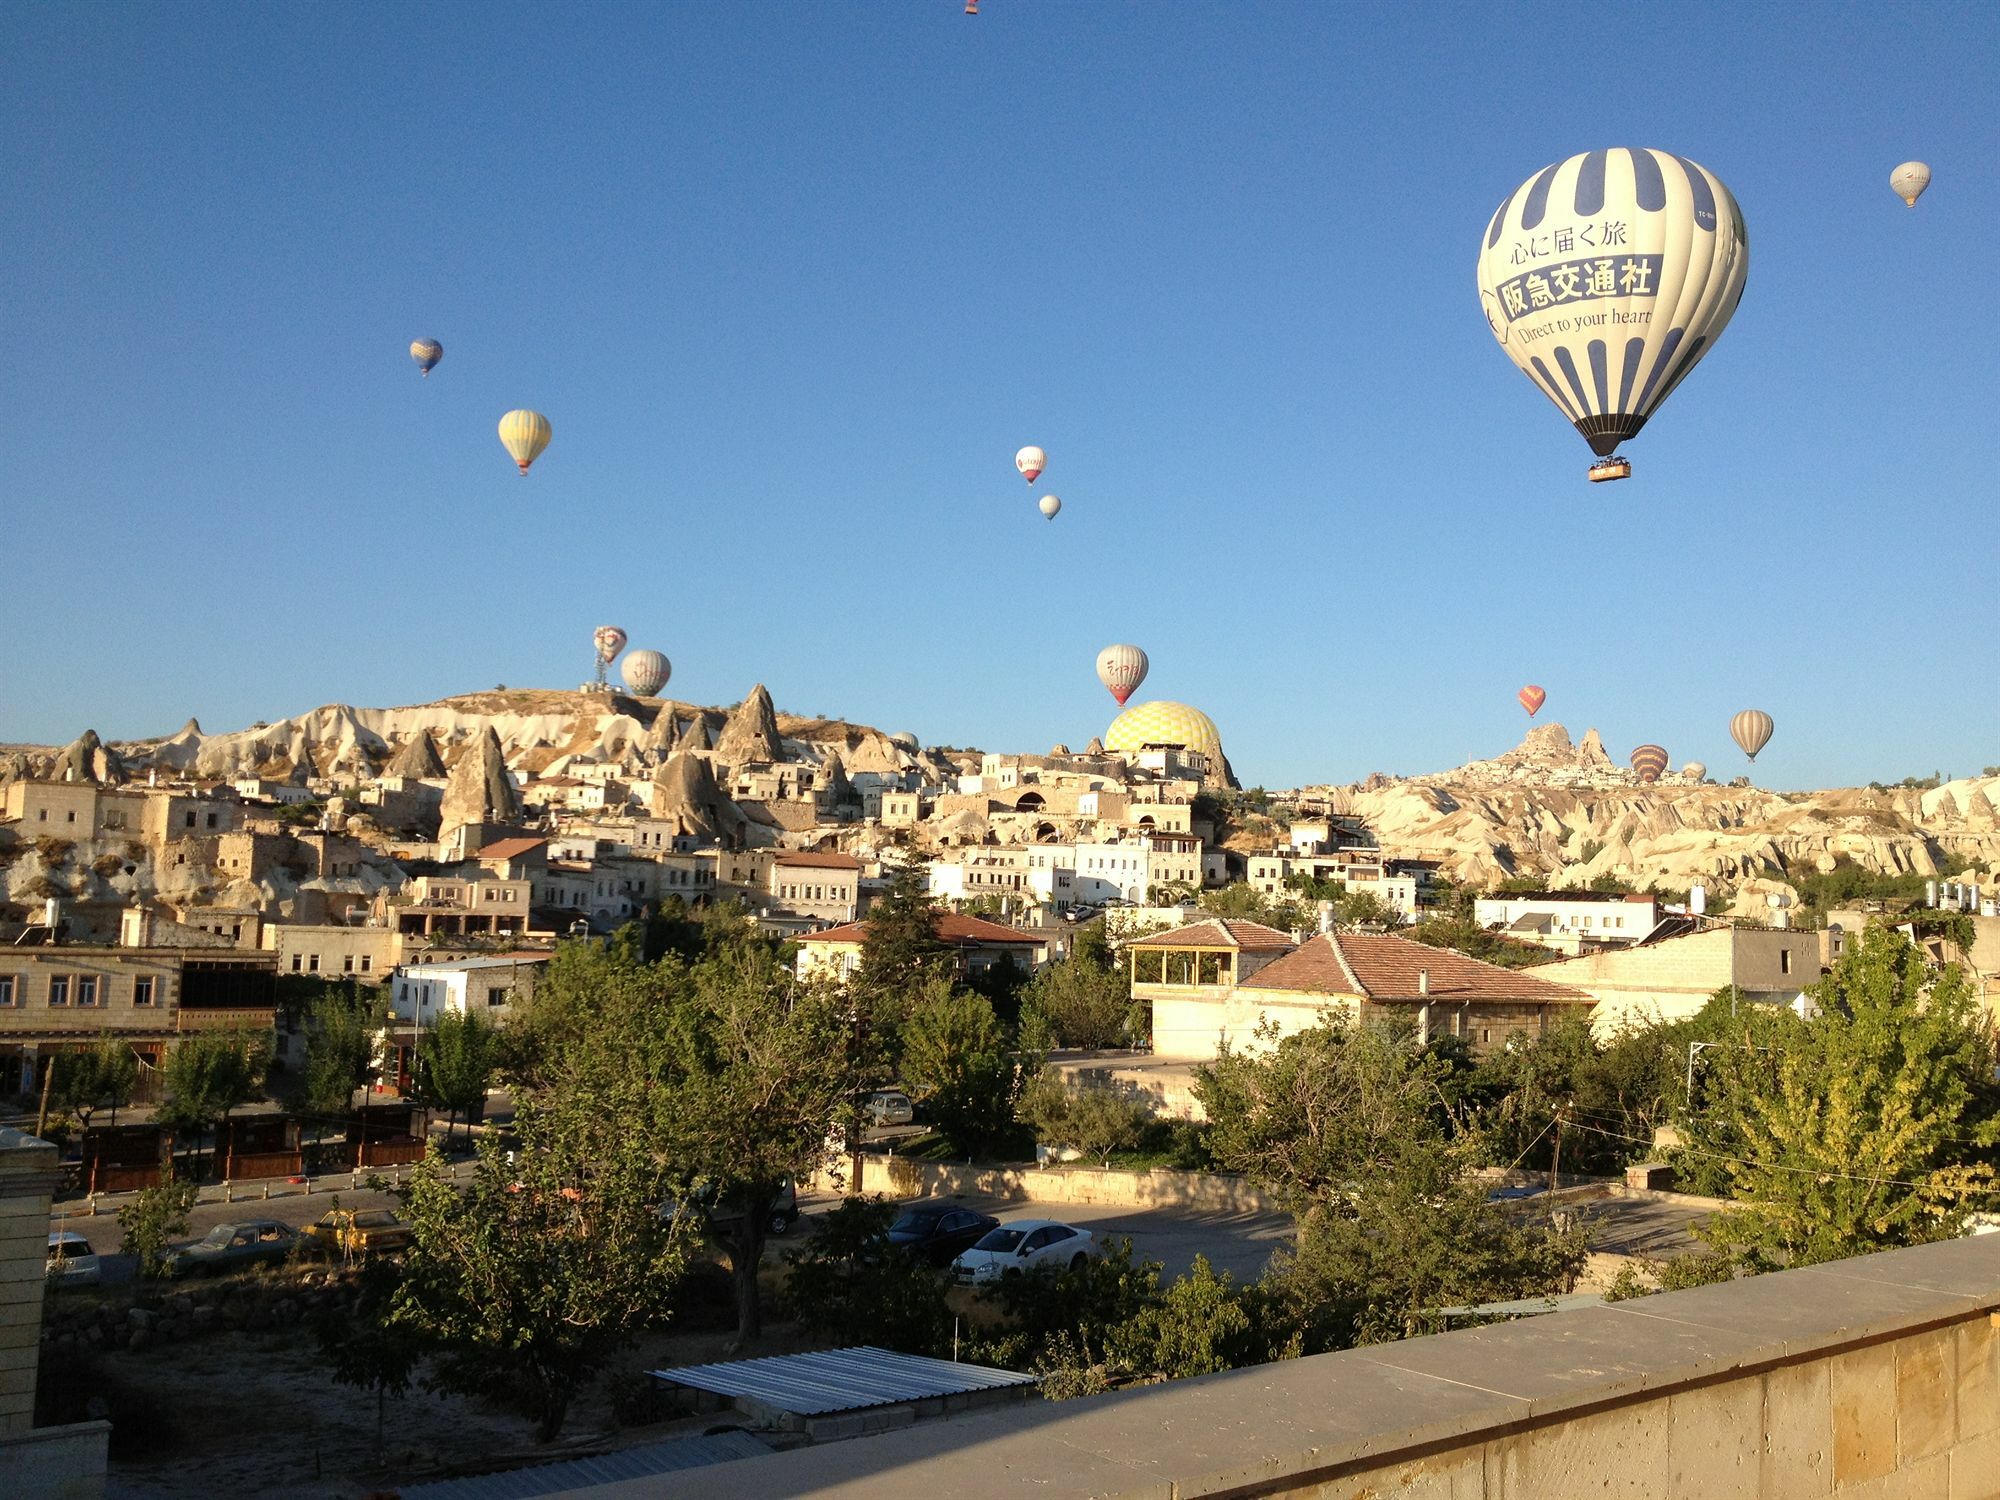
[1610, 468]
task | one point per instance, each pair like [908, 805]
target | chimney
[52, 914]
[1698, 900]
[1423, 981]
[1930, 893]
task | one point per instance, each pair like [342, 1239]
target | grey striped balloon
[1751, 730]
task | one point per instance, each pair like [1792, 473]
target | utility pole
[1555, 1161]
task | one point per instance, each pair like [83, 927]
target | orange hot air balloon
[1649, 761]
[1532, 698]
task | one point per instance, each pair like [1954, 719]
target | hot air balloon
[525, 434]
[1532, 698]
[1909, 180]
[1121, 668]
[1031, 461]
[1694, 770]
[645, 672]
[1751, 730]
[1606, 278]
[427, 352]
[1048, 505]
[1649, 761]
[609, 640]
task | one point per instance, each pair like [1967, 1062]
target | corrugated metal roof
[602, 1468]
[833, 1380]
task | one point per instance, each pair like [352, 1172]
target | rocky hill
[1565, 810]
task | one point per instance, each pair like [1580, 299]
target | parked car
[1021, 1246]
[937, 1232]
[889, 1107]
[359, 1231]
[724, 1215]
[231, 1247]
[71, 1260]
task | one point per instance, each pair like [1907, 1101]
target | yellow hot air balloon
[525, 434]
[1606, 278]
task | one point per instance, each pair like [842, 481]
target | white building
[420, 993]
[1571, 921]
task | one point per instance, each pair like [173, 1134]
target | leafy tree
[1468, 937]
[341, 1030]
[455, 1061]
[104, 1076]
[757, 1066]
[525, 1281]
[901, 951]
[1096, 1122]
[1202, 1323]
[847, 1286]
[1365, 909]
[1244, 901]
[153, 1219]
[1872, 1125]
[1083, 999]
[364, 1348]
[207, 1075]
[1043, 1306]
[956, 1062]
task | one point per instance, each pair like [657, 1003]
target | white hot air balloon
[1121, 668]
[609, 641]
[1909, 180]
[645, 672]
[1751, 730]
[1031, 461]
[1606, 278]
[1048, 505]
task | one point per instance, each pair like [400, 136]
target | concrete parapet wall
[1208, 1192]
[1874, 1377]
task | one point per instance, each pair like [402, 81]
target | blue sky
[794, 280]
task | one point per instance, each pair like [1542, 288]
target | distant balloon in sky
[1031, 461]
[1649, 761]
[972, 7]
[525, 434]
[1909, 180]
[645, 672]
[1122, 668]
[427, 352]
[1751, 730]
[1532, 698]
[1606, 278]
[1048, 505]
[609, 640]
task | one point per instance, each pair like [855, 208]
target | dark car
[722, 1215]
[939, 1231]
[231, 1247]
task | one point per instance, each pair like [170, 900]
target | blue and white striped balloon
[1607, 277]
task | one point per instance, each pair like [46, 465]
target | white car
[889, 1107]
[1020, 1246]
[71, 1260]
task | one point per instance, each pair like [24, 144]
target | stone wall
[1874, 1377]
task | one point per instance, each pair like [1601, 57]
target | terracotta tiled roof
[953, 928]
[509, 848]
[800, 859]
[1217, 932]
[1380, 967]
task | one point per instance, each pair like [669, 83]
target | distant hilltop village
[345, 838]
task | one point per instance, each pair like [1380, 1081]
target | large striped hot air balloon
[1606, 278]
[645, 672]
[1121, 668]
[1532, 698]
[427, 352]
[1649, 761]
[525, 434]
[1163, 723]
[1751, 730]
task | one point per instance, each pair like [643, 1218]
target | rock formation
[417, 760]
[693, 738]
[479, 789]
[87, 758]
[751, 733]
[685, 793]
[833, 780]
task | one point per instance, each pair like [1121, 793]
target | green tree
[455, 1062]
[364, 1348]
[1242, 900]
[846, 1286]
[207, 1075]
[1083, 999]
[1042, 1308]
[1872, 1125]
[101, 1077]
[956, 1062]
[152, 1219]
[1096, 1122]
[524, 1282]
[342, 1029]
[1202, 1323]
[1467, 937]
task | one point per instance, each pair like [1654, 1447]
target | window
[41, 815]
[10, 991]
[211, 820]
[313, 964]
[367, 963]
[71, 816]
[298, 962]
[347, 964]
[59, 989]
[187, 818]
[86, 989]
[1784, 960]
[142, 990]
